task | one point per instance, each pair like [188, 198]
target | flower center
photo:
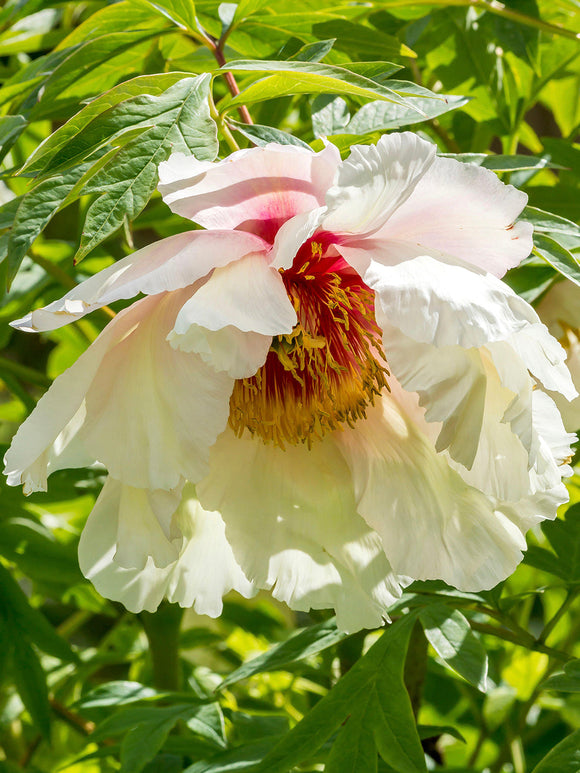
[328, 369]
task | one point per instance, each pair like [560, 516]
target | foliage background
[93, 96]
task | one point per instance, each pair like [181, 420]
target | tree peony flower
[325, 393]
[559, 309]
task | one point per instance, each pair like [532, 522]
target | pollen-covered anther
[328, 370]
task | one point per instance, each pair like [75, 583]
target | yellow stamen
[324, 373]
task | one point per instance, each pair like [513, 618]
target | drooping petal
[375, 181]
[129, 400]
[291, 520]
[169, 264]
[446, 305]
[463, 211]
[432, 524]
[231, 319]
[202, 571]
[253, 190]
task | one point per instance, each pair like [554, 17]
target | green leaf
[557, 256]
[329, 115]
[96, 124]
[299, 646]
[433, 731]
[308, 78]
[451, 637]
[569, 681]
[143, 741]
[208, 722]
[313, 52]
[115, 694]
[374, 688]
[547, 222]
[35, 210]
[181, 12]
[359, 40]
[30, 621]
[31, 684]
[542, 559]
[242, 759]
[504, 163]
[380, 116]
[262, 135]
[11, 127]
[564, 537]
[180, 121]
[564, 757]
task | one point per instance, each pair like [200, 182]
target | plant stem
[162, 630]
[551, 624]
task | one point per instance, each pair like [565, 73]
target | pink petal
[253, 190]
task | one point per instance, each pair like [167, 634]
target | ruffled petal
[375, 181]
[203, 568]
[291, 520]
[432, 524]
[169, 264]
[253, 190]
[464, 211]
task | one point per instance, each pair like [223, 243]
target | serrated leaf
[377, 677]
[31, 685]
[301, 645]
[450, 635]
[262, 135]
[180, 121]
[307, 78]
[564, 757]
[557, 256]
[30, 621]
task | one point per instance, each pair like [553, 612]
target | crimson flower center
[328, 369]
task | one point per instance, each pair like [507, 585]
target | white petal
[168, 264]
[374, 181]
[153, 412]
[51, 430]
[561, 304]
[291, 520]
[465, 211]
[231, 319]
[202, 572]
[432, 524]
[147, 412]
[255, 190]
[442, 304]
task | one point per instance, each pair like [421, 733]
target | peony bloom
[559, 309]
[325, 393]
